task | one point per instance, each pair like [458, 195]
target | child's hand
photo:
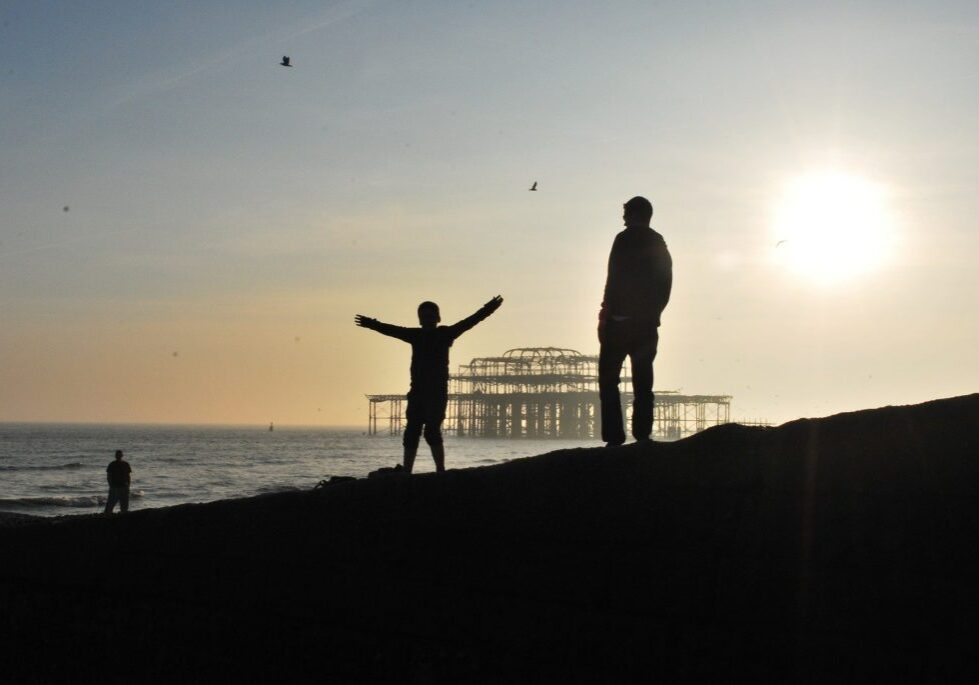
[494, 304]
[364, 321]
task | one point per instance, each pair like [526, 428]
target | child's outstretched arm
[399, 332]
[462, 326]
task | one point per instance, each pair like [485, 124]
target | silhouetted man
[640, 277]
[118, 476]
[429, 393]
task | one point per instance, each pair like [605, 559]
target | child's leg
[413, 433]
[438, 455]
[433, 429]
[409, 457]
[433, 436]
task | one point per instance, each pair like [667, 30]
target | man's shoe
[614, 444]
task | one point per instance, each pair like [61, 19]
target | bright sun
[831, 226]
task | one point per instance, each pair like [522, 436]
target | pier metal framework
[545, 392]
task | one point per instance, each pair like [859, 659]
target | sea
[59, 469]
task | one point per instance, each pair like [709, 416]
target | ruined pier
[545, 392]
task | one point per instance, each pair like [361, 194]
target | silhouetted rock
[836, 549]
[386, 471]
[334, 480]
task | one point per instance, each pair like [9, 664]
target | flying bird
[65, 208]
[285, 62]
[779, 243]
[534, 187]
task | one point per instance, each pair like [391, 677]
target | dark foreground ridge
[822, 550]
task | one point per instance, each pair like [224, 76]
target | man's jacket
[640, 275]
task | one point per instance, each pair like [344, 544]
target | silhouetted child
[429, 393]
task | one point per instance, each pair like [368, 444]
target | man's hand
[364, 321]
[602, 316]
[493, 304]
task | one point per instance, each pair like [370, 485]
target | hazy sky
[227, 217]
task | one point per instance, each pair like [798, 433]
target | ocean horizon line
[160, 424]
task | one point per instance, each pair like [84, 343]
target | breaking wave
[59, 467]
[66, 501]
[270, 489]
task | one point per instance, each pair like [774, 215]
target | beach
[817, 551]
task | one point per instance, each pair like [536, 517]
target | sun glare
[832, 226]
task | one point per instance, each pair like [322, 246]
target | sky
[187, 229]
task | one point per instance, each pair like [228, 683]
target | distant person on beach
[640, 277]
[117, 474]
[429, 393]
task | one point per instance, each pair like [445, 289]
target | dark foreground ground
[838, 549]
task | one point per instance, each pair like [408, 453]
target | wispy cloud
[166, 80]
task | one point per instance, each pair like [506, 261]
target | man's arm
[461, 327]
[399, 332]
[612, 266]
[660, 283]
[665, 279]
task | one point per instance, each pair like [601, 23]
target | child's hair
[641, 207]
[428, 305]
